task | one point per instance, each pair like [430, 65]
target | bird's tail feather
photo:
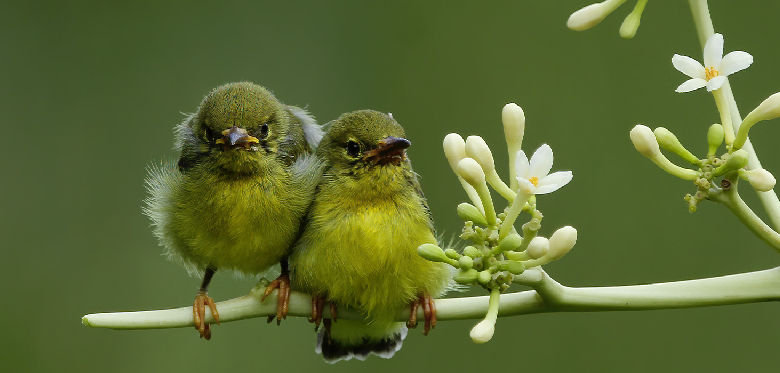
[335, 349]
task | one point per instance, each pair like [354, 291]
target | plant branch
[705, 29]
[549, 296]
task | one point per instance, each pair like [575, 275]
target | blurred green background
[91, 90]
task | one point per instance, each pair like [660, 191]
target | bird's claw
[429, 312]
[199, 314]
[283, 297]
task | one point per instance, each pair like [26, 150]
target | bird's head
[366, 145]
[238, 128]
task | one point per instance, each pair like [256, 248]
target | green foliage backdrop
[91, 90]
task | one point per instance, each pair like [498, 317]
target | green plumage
[235, 206]
[359, 246]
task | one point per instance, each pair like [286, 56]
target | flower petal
[526, 186]
[688, 66]
[734, 62]
[691, 84]
[713, 51]
[541, 161]
[716, 82]
[521, 165]
[553, 182]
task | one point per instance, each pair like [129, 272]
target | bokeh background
[91, 90]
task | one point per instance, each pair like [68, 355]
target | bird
[239, 191]
[359, 244]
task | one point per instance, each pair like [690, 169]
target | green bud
[631, 23]
[514, 268]
[513, 255]
[667, 140]
[466, 262]
[466, 277]
[714, 138]
[468, 212]
[434, 253]
[736, 160]
[452, 254]
[472, 252]
[510, 242]
[484, 277]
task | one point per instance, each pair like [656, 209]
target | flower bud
[669, 141]
[592, 15]
[477, 149]
[714, 138]
[514, 268]
[452, 254]
[483, 331]
[468, 212]
[561, 242]
[630, 25]
[465, 277]
[471, 252]
[433, 253]
[538, 247]
[484, 277]
[761, 179]
[454, 149]
[736, 160]
[471, 171]
[514, 124]
[466, 262]
[510, 242]
[766, 110]
[644, 141]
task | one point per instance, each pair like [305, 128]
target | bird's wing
[416, 185]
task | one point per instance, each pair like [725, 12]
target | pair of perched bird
[259, 183]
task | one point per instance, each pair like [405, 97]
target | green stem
[730, 198]
[549, 296]
[725, 116]
[704, 29]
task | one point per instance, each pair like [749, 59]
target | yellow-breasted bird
[359, 244]
[236, 197]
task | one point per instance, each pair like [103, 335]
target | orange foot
[429, 310]
[317, 304]
[199, 313]
[283, 297]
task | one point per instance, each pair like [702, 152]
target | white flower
[718, 67]
[533, 177]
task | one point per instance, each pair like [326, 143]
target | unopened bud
[761, 179]
[736, 160]
[561, 242]
[766, 110]
[471, 171]
[644, 141]
[538, 247]
[478, 149]
[592, 15]
[433, 253]
[465, 277]
[514, 268]
[714, 138]
[669, 141]
[472, 252]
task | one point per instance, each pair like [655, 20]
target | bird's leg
[199, 306]
[283, 296]
[429, 311]
[317, 305]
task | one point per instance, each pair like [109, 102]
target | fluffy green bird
[236, 197]
[359, 245]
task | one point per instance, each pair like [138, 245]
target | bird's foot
[282, 299]
[317, 304]
[429, 311]
[199, 313]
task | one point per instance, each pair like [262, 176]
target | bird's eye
[353, 148]
[263, 130]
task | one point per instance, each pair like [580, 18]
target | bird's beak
[235, 137]
[390, 149]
